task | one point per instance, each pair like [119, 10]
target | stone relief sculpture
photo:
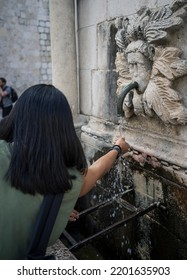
[144, 57]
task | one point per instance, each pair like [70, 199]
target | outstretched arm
[100, 167]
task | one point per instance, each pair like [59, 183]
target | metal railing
[134, 213]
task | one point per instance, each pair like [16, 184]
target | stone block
[125, 7]
[104, 42]
[87, 48]
[104, 100]
[91, 12]
[85, 89]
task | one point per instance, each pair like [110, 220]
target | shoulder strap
[5, 87]
[43, 227]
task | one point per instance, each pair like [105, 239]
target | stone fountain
[146, 50]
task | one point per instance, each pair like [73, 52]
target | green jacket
[18, 212]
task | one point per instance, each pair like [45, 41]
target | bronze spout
[122, 95]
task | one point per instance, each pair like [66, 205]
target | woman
[41, 154]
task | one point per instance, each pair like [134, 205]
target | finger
[74, 215]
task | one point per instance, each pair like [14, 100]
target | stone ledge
[60, 251]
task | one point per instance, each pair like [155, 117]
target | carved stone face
[139, 64]
[144, 58]
[140, 69]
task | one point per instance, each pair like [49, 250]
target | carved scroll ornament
[142, 57]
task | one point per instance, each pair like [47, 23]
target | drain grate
[132, 211]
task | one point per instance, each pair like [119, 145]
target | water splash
[129, 251]
[120, 128]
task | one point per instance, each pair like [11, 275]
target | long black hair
[44, 142]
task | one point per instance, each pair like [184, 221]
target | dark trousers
[6, 111]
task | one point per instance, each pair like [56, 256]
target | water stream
[114, 187]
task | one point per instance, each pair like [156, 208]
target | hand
[74, 216]
[123, 144]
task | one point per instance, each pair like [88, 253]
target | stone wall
[25, 52]
[157, 165]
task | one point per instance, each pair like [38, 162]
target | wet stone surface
[60, 251]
